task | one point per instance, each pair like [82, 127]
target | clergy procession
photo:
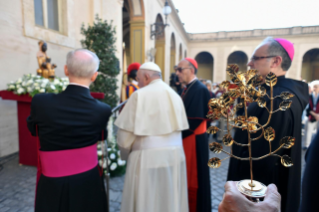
[162, 136]
[137, 111]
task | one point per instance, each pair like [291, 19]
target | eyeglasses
[180, 69]
[254, 58]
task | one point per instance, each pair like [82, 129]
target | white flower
[20, 91]
[36, 84]
[113, 166]
[42, 90]
[56, 82]
[52, 87]
[120, 162]
[99, 153]
[24, 83]
[29, 89]
[43, 85]
[63, 88]
[11, 87]
[37, 88]
[30, 82]
[109, 162]
[112, 156]
[19, 80]
[119, 153]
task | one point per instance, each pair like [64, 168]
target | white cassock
[150, 139]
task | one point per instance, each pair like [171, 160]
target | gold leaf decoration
[261, 91]
[228, 140]
[284, 105]
[215, 147]
[269, 134]
[287, 142]
[213, 113]
[212, 130]
[235, 80]
[271, 79]
[234, 94]
[286, 161]
[214, 103]
[261, 102]
[286, 95]
[240, 121]
[242, 78]
[224, 84]
[258, 80]
[252, 126]
[226, 100]
[214, 163]
[232, 69]
[252, 72]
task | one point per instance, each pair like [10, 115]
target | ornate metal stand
[247, 87]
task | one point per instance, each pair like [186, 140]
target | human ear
[66, 72]
[93, 78]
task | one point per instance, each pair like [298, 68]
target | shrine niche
[46, 69]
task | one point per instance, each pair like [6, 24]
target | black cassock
[285, 123]
[69, 120]
[196, 98]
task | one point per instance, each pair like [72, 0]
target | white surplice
[155, 178]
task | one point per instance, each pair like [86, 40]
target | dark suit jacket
[310, 108]
[69, 120]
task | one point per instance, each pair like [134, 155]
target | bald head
[82, 63]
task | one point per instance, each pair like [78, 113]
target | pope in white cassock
[150, 139]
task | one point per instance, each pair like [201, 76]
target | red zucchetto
[192, 61]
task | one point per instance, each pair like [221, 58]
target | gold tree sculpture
[247, 86]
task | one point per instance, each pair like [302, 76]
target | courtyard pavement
[17, 186]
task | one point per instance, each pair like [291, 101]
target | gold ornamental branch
[248, 86]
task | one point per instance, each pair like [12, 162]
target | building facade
[24, 23]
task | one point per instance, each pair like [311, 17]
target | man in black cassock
[195, 97]
[70, 121]
[274, 55]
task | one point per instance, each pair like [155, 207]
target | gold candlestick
[247, 86]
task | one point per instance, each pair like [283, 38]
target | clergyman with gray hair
[150, 139]
[68, 126]
[276, 56]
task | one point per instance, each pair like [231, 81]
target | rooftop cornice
[256, 33]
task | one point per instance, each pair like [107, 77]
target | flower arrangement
[32, 84]
[116, 166]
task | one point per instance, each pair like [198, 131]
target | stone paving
[17, 185]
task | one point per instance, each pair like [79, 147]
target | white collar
[73, 83]
[134, 82]
[195, 78]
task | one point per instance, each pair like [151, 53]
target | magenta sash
[68, 162]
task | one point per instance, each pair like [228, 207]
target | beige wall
[222, 44]
[153, 8]
[19, 45]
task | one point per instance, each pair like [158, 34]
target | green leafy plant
[100, 39]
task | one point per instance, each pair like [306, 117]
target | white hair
[80, 66]
[152, 74]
